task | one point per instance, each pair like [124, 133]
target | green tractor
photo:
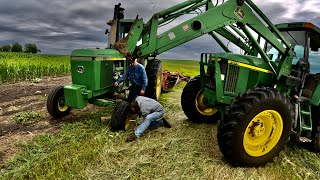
[94, 72]
[262, 97]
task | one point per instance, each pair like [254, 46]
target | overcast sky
[59, 26]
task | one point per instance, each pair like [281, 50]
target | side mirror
[107, 31]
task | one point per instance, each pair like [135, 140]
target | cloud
[63, 25]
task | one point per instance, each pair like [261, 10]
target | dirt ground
[28, 96]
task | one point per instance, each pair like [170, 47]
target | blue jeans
[134, 91]
[155, 119]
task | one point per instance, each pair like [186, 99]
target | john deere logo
[239, 13]
[80, 69]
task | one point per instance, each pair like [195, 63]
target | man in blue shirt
[138, 78]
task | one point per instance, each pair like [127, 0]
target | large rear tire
[120, 119]
[154, 73]
[192, 102]
[315, 129]
[56, 103]
[255, 128]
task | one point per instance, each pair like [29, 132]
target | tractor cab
[119, 27]
[305, 39]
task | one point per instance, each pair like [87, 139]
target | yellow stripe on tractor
[250, 66]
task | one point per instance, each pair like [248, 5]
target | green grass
[87, 149]
[187, 68]
[15, 67]
[27, 117]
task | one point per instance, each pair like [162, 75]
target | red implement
[170, 79]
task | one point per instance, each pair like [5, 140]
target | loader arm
[242, 13]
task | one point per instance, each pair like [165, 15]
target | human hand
[142, 92]
[115, 84]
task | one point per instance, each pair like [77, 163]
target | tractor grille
[232, 79]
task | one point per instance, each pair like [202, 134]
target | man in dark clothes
[137, 77]
[151, 110]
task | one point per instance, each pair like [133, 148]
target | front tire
[256, 127]
[56, 103]
[154, 74]
[192, 102]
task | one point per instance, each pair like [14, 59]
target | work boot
[131, 138]
[166, 123]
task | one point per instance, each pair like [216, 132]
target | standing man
[151, 110]
[137, 77]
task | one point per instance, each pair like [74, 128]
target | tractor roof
[298, 26]
[301, 26]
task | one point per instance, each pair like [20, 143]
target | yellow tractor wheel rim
[61, 105]
[202, 108]
[127, 124]
[129, 121]
[158, 85]
[263, 133]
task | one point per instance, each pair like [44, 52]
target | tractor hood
[246, 59]
[98, 54]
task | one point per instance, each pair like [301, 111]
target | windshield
[296, 39]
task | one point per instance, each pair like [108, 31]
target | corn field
[15, 67]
